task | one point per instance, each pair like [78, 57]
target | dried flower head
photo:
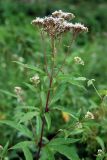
[65, 15]
[78, 27]
[35, 79]
[89, 115]
[57, 23]
[18, 90]
[78, 60]
[1, 147]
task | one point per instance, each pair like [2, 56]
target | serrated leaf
[24, 130]
[69, 152]
[48, 119]
[61, 141]
[28, 116]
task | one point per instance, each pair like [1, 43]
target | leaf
[48, 119]
[21, 144]
[28, 116]
[101, 143]
[24, 130]
[30, 67]
[47, 154]
[27, 153]
[90, 82]
[59, 91]
[73, 80]
[69, 152]
[8, 93]
[61, 108]
[61, 141]
[32, 88]
[5, 150]
[38, 125]
[24, 146]
[43, 98]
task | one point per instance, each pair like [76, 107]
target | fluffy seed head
[78, 27]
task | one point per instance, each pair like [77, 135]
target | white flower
[100, 152]
[35, 79]
[65, 15]
[78, 60]
[18, 90]
[78, 27]
[79, 125]
[89, 115]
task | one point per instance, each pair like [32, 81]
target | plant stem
[47, 100]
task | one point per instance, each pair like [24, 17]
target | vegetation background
[19, 41]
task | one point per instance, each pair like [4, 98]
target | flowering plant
[45, 82]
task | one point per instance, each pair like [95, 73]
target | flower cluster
[57, 24]
[89, 115]
[35, 79]
[78, 60]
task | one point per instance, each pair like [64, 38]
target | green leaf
[5, 150]
[48, 119]
[23, 129]
[28, 116]
[38, 125]
[69, 152]
[27, 153]
[47, 154]
[59, 91]
[8, 93]
[73, 80]
[30, 67]
[90, 82]
[32, 88]
[61, 141]
[43, 98]
[24, 146]
[101, 142]
[21, 144]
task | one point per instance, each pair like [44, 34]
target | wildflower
[18, 90]
[89, 115]
[38, 21]
[35, 79]
[79, 125]
[78, 27]
[100, 152]
[57, 23]
[78, 60]
[65, 15]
